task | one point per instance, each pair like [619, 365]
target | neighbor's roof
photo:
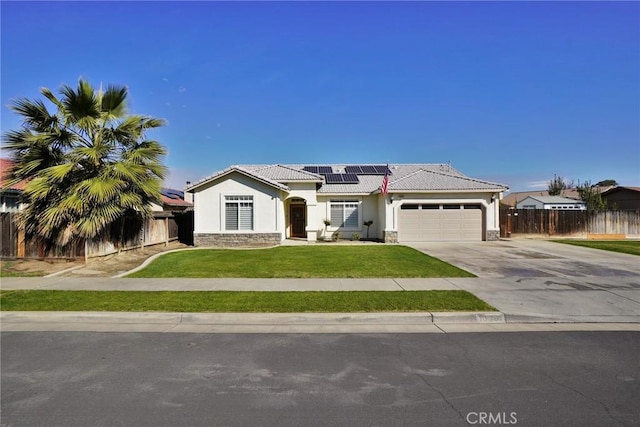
[5, 165]
[172, 197]
[620, 188]
[403, 178]
[555, 199]
[512, 199]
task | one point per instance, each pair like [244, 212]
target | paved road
[105, 379]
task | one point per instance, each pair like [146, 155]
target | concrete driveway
[537, 280]
[532, 258]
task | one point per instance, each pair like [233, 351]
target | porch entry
[298, 218]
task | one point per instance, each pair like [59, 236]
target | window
[238, 211]
[344, 214]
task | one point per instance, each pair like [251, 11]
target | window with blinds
[238, 213]
[344, 214]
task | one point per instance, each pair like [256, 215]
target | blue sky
[512, 92]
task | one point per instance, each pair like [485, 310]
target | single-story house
[266, 204]
[622, 197]
[551, 202]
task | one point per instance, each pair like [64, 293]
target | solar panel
[369, 170]
[350, 178]
[382, 170]
[353, 169]
[171, 193]
[366, 169]
[333, 178]
[341, 178]
[322, 170]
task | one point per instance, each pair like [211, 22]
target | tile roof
[555, 199]
[5, 165]
[404, 177]
[430, 180]
[243, 170]
[283, 173]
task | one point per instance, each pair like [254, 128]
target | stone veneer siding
[236, 239]
[493, 235]
[391, 237]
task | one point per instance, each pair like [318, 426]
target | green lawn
[302, 262]
[623, 246]
[241, 302]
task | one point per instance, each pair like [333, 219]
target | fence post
[21, 242]
[166, 231]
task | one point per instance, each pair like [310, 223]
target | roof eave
[469, 190]
[224, 173]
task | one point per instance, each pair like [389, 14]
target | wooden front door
[298, 220]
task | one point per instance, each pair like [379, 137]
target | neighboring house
[172, 201]
[551, 202]
[265, 204]
[9, 196]
[512, 199]
[622, 197]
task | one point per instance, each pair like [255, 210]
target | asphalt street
[149, 379]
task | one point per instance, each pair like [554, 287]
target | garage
[418, 222]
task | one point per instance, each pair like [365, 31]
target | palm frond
[57, 173]
[100, 190]
[34, 113]
[51, 97]
[113, 101]
[80, 105]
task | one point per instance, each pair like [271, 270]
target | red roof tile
[5, 165]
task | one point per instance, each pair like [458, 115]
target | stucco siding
[209, 205]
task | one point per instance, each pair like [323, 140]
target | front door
[298, 220]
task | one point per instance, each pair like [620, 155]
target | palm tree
[88, 164]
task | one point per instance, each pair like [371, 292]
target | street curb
[523, 318]
[468, 317]
[173, 318]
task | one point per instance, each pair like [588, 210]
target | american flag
[385, 183]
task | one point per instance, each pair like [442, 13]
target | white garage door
[439, 222]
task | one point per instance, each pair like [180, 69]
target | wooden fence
[129, 234]
[569, 223]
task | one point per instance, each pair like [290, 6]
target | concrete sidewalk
[519, 300]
